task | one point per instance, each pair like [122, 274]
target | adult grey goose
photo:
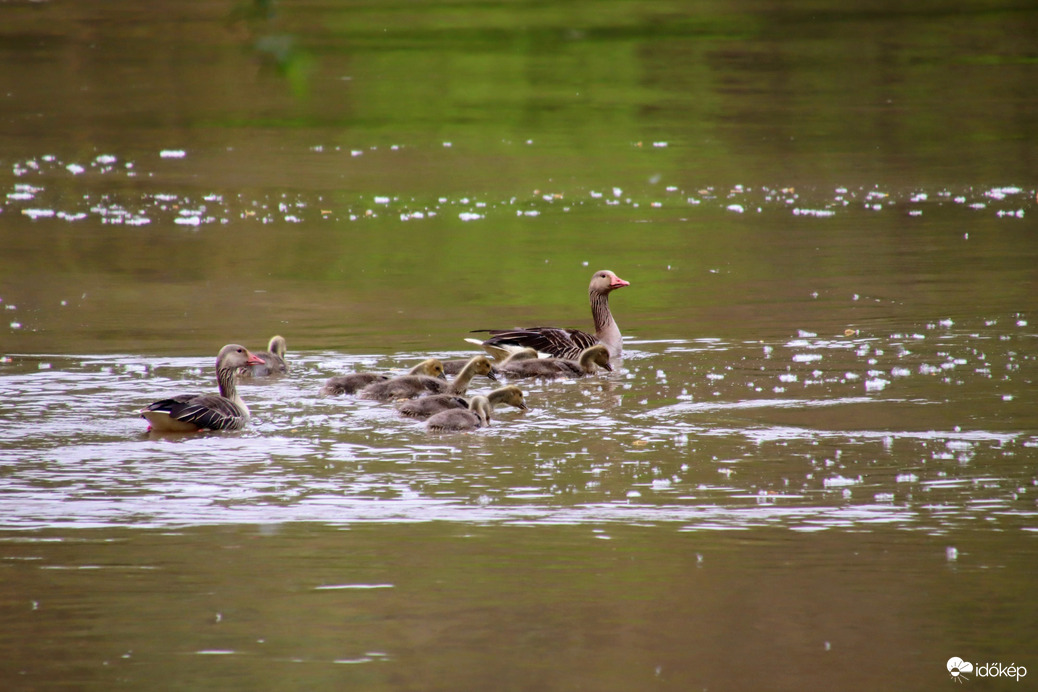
[193, 412]
[568, 343]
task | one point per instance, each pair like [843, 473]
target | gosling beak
[492, 376]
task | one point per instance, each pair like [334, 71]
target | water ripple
[38, 194]
[707, 453]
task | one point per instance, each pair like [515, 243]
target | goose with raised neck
[425, 406]
[591, 358]
[410, 386]
[568, 343]
[454, 365]
[193, 412]
[354, 382]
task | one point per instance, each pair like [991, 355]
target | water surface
[815, 466]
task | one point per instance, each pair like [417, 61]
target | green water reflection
[748, 92]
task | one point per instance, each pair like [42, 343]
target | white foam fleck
[876, 384]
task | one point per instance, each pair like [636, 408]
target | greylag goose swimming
[192, 412]
[475, 416]
[273, 359]
[354, 382]
[425, 406]
[454, 365]
[568, 343]
[410, 386]
[597, 355]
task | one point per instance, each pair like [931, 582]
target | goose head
[431, 367]
[605, 281]
[525, 353]
[477, 365]
[235, 357]
[511, 395]
[597, 355]
[480, 365]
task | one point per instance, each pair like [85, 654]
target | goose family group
[424, 392]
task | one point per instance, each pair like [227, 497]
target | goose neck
[600, 310]
[462, 379]
[227, 378]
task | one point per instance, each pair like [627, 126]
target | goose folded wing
[553, 340]
[206, 411]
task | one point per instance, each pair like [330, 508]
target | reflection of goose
[597, 355]
[223, 411]
[354, 382]
[410, 386]
[568, 343]
[425, 406]
[475, 416]
[273, 359]
[454, 365]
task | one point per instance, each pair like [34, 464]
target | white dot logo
[958, 668]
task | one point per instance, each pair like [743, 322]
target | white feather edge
[502, 352]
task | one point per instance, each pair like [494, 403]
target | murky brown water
[816, 466]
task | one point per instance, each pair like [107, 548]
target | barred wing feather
[555, 341]
[209, 411]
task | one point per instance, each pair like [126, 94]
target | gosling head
[525, 353]
[481, 366]
[431, 367]
[511, 395]
[598, 355]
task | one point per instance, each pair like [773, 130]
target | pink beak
[255, 360]
[616, 282]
